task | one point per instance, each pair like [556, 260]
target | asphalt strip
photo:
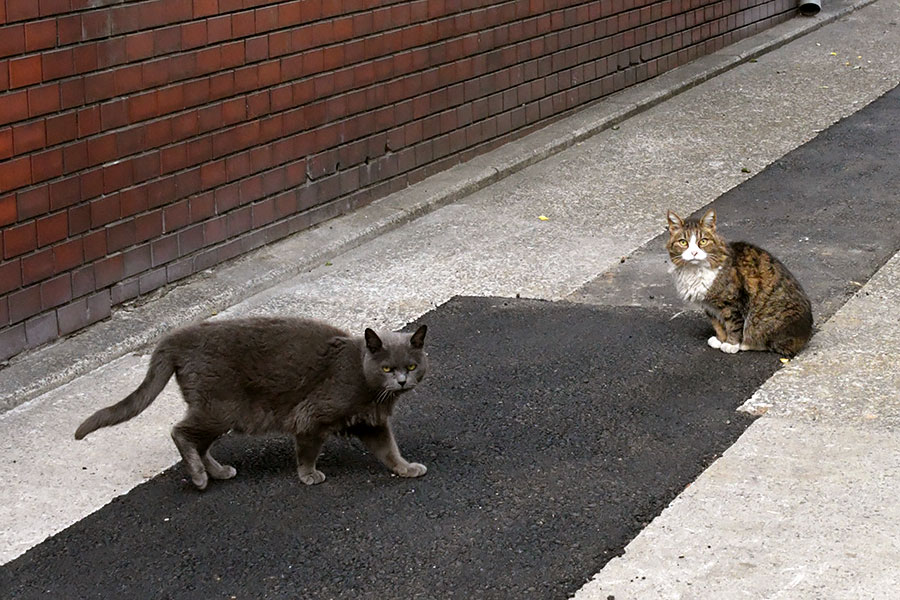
[553, 433]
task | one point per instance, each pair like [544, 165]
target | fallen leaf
[784, 360]
[543, 218]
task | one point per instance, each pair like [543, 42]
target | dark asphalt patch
[830, 210]
[553, 432]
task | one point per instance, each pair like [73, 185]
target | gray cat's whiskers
[386, 396]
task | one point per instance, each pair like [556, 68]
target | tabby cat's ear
[709, 219]
[373, 342]
[675, 222]
[418, 338]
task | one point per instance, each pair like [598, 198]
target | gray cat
[286, 375]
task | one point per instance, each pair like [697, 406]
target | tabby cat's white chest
[693, 281]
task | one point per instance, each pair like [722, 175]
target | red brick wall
[142, 141]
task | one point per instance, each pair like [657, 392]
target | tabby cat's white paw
[730, 348]
[714, 342]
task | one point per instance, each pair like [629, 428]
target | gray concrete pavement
[604, 196]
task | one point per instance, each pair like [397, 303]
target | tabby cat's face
[395, 362]
[695, 242]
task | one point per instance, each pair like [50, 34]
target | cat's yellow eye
[703, 242]
[411, 368]
[682, 243]
[386, 369]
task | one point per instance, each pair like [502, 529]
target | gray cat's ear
[709, 219]
[674, 221]
[418, 338]
[373, 342]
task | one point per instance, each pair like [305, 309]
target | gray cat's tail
[161, 369]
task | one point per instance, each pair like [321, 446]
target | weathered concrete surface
[804, 505]
[604, 198]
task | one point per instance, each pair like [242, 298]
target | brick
[104, 210]
[102, 149]
[65, 193]
[37, 267]
[133, 201]
[176, 216]
[40, 35]
[56, 291]
[20, 10]
[15, 173]
[68, 255]
[152, 280]
[148, 226]
[124, 291]
[136, 260]
[117, 176]
[24, 303]
[25, 71]
[46, 165]
[41, 329]
[164, 250]
[91, 183]
[7, 210]
[12, 40]
[108, 271]
[32, 203]
[94, 245]
[52, 229]
[82, 281]
[190, 240]
[139, 46]
[120, 236]
[10, 276]
[218, 29]
[43, 100]
[62, 128]
[19, 240]
[6, 143]
[73, 317]
[12, 341]
[15, 107]
[71, 93]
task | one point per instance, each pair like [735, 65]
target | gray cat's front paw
[411, 470]
[311, 478]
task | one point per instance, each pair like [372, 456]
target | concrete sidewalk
[605, 196]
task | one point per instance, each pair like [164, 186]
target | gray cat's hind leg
[307, 449]
[193, 436]
[216, 470]
[182, 436]
[380, 442]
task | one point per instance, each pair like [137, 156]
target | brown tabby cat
[752, 300]
[288, 375]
